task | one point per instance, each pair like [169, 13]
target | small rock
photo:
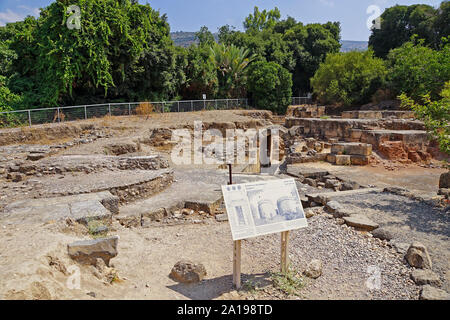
[360, 221]
[430, 293]
[425, 276]
[188, 272]
[333, 207]
[444, 180]
[311, 182]
[309, 212]
[418, 257]
[314, 269]
[35, 156]
[88, 251]
[222, 217]
[382, 233]
[92, 294]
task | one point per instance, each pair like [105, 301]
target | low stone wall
[306, 111]
[377, 114]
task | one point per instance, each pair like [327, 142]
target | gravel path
[346, 255]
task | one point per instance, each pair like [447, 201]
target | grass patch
[290, 282]
[325, 117]
[97, 229]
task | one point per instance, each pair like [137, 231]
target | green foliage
[123, 51]
[205, 37]
[310, 45]
[417, 70]
[8, 102]
[290, 282]
[200, 72]
[231, 63]
[400, 23]
[435, 115]
[270, 86]
[298, 48]
[348, 78]
[261, 20]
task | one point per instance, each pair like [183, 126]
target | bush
[8, 102]
[417, 70]
[270, 86]
[349, 78]
[435, 115]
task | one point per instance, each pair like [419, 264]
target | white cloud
[12, 16]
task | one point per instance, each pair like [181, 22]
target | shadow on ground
[213, 288]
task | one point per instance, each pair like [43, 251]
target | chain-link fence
[62, 114]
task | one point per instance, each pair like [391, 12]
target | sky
[190, 15]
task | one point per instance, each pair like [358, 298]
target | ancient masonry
[352, 137]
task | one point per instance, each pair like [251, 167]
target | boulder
[425, 276]
[360, 221]
[382, 233]
[417, 256]
[444, 181]
[430, 293]
[88, 251]
[334, 208]
[314, 269]
[222, 217]
[188, 272]
[35, 156]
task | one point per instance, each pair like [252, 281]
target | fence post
[109, 108]
[29, 117]
[216, 104]
[59, 118]
[85, 113]
[227, 104]
[129, 109]
[192, 105]
[178, 106]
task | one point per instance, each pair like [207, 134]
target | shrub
[144, 109]
[435, 115]
[417, 70]
[270, 86]
[349, 78]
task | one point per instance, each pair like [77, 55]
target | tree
[349, 78]
[435, 115]
[400, 23]
[261, 20]
[269, 85]
[122, 51]
[231, 63]
[204, 36]
[8, 102]
[310, 45]
[200, 72]
[416, 69]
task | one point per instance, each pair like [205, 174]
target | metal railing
[301, 100]
[83, 112]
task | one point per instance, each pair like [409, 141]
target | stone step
[378, 114]
[324, 197]
[81, 208]
[196, 189]
[92, 163]
[128, 185]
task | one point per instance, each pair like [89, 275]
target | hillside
[185, 39]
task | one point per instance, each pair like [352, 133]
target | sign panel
[263, 207]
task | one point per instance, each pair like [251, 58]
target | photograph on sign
[263, 207]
